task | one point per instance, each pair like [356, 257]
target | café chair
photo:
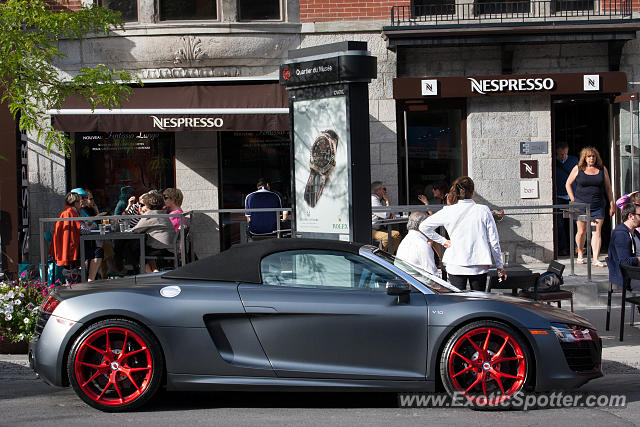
[629, 273]
[549, 297]
[165, 254]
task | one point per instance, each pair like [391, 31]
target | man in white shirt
[415, 248]
[474, 244]
[378, 230]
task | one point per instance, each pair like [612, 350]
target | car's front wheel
[487, 362]
[115, 365]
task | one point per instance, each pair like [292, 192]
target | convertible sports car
[301, 314]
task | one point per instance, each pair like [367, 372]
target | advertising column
[329, 109]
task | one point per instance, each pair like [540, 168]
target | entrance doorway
[582, 122]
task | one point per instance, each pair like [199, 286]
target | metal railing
[573, 210]
[112, 219]
[512, 12]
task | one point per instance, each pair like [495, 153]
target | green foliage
[30, 82]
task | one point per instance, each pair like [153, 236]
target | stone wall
[495, 128]
[197, 177]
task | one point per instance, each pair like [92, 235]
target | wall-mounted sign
[429, 87]
[484, 86]
[528, 168]
[529, 189]
[501, 85]
[591, 83]
[533, 147]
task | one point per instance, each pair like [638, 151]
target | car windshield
[436, 284]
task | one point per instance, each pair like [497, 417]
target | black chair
[629, 273]
[549, 297]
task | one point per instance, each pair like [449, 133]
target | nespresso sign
[164, 123]
[485, 86]
[503, 85]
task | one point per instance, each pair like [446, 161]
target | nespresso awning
[249, 107]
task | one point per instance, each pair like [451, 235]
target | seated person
[378, 230]
[263, 223]
[415, 248]
[92, 249]
[173, 204]
[624, 247]
[160, 233]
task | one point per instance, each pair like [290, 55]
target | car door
[326, 314]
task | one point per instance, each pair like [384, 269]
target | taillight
[49, 304]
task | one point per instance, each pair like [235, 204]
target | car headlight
[572, 333]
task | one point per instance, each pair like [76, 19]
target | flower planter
[13, 347]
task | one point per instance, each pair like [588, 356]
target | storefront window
[106, 162]
[252, 10]
[434, 149]
[245, 157]
[128, 8]
[187, 9]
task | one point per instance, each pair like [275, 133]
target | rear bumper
[47, 351]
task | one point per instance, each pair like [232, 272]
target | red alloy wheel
[113, 366]
[487, 364]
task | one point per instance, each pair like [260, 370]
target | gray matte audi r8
[301, 314]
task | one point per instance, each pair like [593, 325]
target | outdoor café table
[515, 275]
[114, 235]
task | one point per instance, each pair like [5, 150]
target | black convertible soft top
[241, 263]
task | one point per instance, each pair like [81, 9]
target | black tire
[115, 365]
[473, 365]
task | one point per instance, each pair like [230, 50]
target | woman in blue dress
[593, 186]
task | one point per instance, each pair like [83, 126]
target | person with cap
[94, 251]
[65, 245]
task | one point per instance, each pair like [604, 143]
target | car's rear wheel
[487, 362]
[115, 365]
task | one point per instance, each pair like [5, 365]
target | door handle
[259, 309]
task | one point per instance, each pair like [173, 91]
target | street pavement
[25, 400]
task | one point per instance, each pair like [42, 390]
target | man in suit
[624, 246]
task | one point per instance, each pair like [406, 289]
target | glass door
[627, 178]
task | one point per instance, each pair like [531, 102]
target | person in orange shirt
[66, 234]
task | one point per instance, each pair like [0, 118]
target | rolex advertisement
[321, 166]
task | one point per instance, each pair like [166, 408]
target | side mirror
[398, 288]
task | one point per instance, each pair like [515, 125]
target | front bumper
[566, 366]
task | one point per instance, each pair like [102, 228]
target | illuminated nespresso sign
[511, 85]
[164, 123]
